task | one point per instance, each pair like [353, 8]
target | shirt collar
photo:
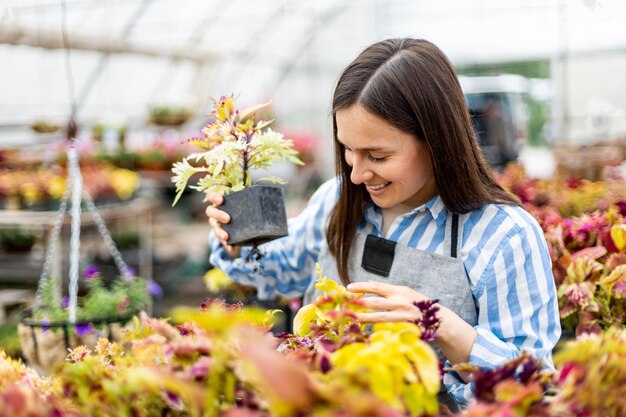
[435, 205]
[437, 209]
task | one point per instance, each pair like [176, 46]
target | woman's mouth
[377, 189]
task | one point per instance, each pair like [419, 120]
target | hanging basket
[44, 344]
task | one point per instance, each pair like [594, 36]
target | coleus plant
[393, 361]
[566, 197]
[515, 388]
[589, 264]
[591, 375]
[234, 143]
[588, 382]
[187, 370]
[23, 393]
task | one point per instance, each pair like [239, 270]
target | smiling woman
[380, 156]
[414, 214]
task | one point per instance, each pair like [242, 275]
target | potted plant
[17, 240]
[46, 332]
[234, 144]
[169, 115]
[45, 126]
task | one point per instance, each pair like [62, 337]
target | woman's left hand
[394, 302]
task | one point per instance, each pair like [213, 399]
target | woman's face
[393, 166]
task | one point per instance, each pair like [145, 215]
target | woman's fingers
[218, 217]
[385, 316]
[378, 303]
[220, 233]
[232, 251]
[371, 287]
[378, 288]
[215, 198]
[395, 301]
[221, 216]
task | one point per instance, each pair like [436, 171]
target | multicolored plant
[514, 389]
[23, 393]
[393, 361]
[185, 370]
[589, 265]
[569, 197]
[589, 382]
[234, 143]
[591, 377]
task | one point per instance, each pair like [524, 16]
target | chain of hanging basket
[75, 191]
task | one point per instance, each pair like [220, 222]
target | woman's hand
[456, 337]
[395, 301]
[218, 217]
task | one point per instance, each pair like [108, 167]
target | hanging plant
[169, 115]
[45, 126]
[46, 331]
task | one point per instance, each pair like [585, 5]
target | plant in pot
[169, 115]
[46, 332]
[234, 144]
[45, 126]
[17, 240]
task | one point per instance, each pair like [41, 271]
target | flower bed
[222, 361]
[585, 227]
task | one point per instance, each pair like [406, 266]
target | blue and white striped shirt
[502, 247]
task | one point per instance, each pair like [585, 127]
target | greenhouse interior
[342, 208]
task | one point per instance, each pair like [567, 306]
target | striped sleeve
[516, 296]
[288, 264]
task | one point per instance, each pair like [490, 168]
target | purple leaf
[429, 321]
[325, 364]
[173, 400]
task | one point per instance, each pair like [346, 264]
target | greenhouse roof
[127, 55]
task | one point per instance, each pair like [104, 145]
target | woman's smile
[377, 189]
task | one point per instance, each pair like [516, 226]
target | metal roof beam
[13, 34]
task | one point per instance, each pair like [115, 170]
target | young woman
[414, 213]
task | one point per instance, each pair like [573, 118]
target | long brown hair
[411, 84]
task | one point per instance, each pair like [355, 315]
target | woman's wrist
[456, 336]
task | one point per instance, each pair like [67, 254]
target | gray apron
[436, 276]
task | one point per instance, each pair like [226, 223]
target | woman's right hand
[218, 217]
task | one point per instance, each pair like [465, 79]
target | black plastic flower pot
[257, 215]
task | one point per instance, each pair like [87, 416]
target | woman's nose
[360, 172]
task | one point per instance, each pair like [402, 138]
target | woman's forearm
[456, 338]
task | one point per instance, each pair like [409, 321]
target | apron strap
[454, 235]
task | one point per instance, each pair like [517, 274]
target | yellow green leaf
[303, 320]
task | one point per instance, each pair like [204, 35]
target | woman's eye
[377, 159]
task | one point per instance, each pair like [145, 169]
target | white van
[499, 114]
